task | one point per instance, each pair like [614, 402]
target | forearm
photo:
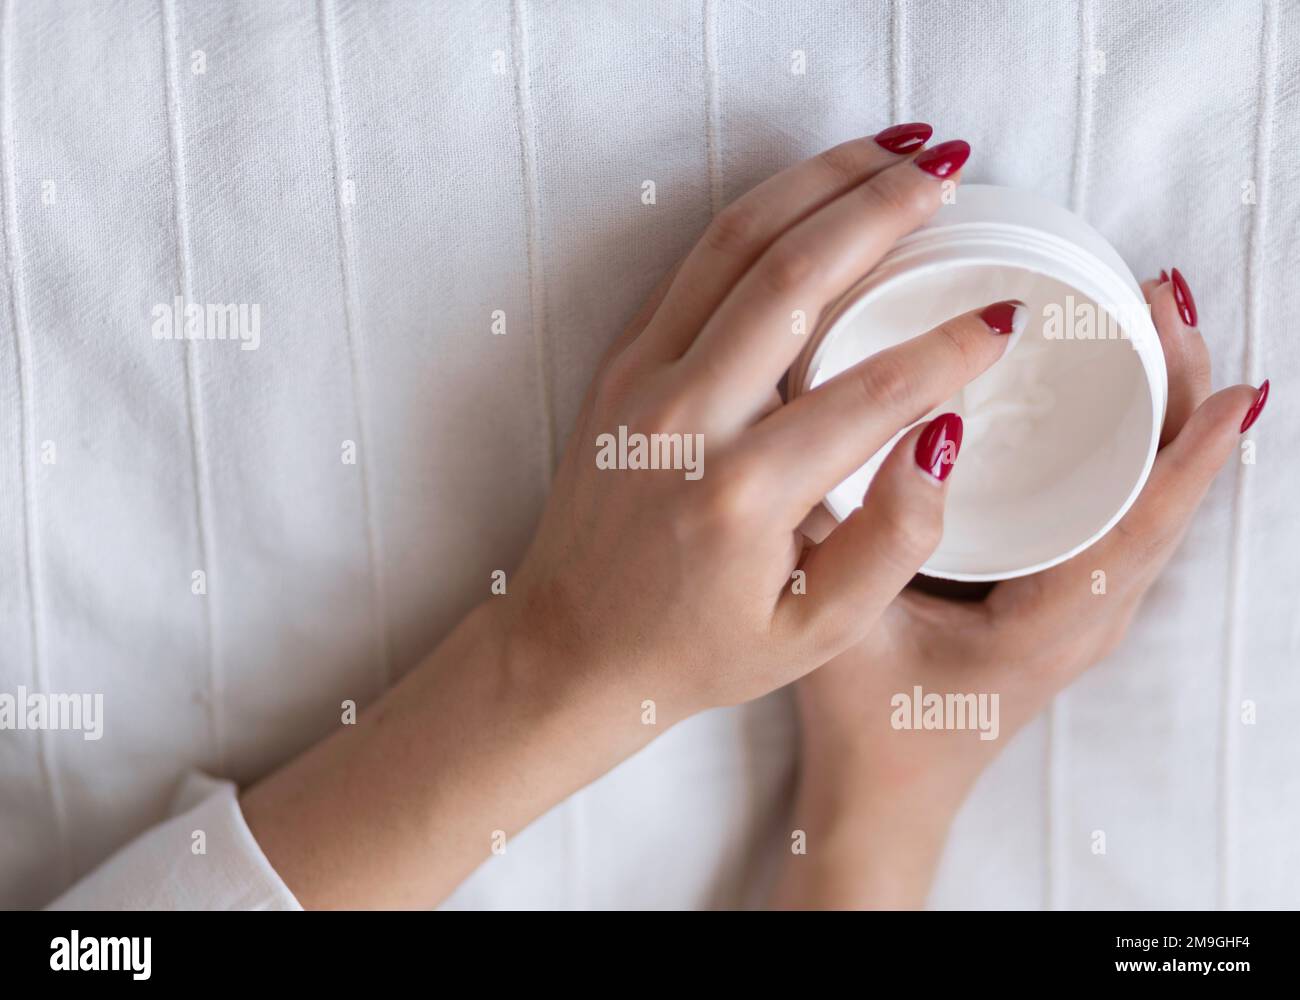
[398, 809]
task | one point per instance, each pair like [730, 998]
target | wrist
[567, 720]
[874, 828]
[862, 850]
[841, 782]
[469, 747]
[615, 678]
[852, 758]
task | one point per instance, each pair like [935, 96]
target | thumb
[853, 575]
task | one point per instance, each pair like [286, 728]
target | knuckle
[845, 163]
[911, 535]
[613, 387]
[735, 231]
[1198, 366]
[962, 348]
[1204, 463]
[919, 537]
[885, 381]
[664, 414]
[897, 192]
[786, 268]
[1143, 540]
[736, 497]
[618, 376]
[829, 628]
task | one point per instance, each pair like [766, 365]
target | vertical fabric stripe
[527, 129]
[897, 67]
[351, 310]
[1083, 120]
[27, 415]
[193, 387]
[528, 164]
[1229, 743]
[1058, 718]
[712, 111]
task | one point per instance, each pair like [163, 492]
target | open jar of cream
[1061, 433]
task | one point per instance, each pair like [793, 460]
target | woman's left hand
[875, 802]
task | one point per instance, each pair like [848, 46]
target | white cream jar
[1061, 433]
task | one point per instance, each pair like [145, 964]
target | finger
[629, 335]
[1187, 358]
[740, 233]
[1140, 545]
[829, 433]
[749, 341]
[855, 573]
[642, 319]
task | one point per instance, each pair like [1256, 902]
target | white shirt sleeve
[159, 870]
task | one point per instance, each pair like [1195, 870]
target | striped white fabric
[384, 181]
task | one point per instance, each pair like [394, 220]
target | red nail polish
[938, 445]
[1001, 316]
[945, 158]
[1183, 297]
[904, 138]
[1256, 408]
[1164, 276]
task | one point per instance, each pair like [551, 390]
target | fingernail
[945, 158]
[904, 138]
[1183, 297]
[1006, 317]
[1164, 276]
[938, 445]
[1256, 408]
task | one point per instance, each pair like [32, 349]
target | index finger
[748, 343]
[829, 433]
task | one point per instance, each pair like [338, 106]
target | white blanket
[383, 180]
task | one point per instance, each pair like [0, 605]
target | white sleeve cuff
[160, 870]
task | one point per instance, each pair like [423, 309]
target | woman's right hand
[657, 585]
[648, 585]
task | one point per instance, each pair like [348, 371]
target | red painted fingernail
[1003, 317]
[905, 138]
[938, 445]
[1164, 276]
[945, 158]
[1183, 297]
[1256, 408]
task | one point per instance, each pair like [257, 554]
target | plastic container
[1061, 433]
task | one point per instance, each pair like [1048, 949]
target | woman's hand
[876, 801]
[665, 585]
[658, 585]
